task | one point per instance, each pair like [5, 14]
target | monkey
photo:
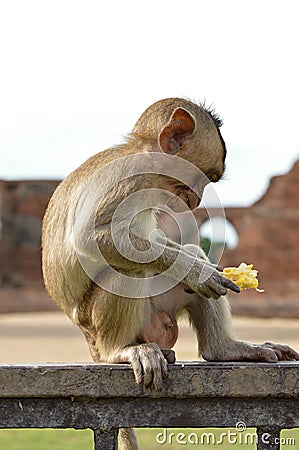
[120, 203]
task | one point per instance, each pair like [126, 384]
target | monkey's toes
[149, 365]
[270, 352]
[266, 354]
[283, 352]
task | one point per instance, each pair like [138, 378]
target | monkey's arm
[201, 276]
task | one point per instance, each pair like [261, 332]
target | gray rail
[106, 398]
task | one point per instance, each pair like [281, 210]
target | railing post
[105, 438]
[268, 438]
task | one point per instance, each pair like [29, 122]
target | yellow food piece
[243, 276]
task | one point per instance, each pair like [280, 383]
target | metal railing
[106, 398]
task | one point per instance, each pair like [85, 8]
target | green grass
[147, 438]
[46, 439]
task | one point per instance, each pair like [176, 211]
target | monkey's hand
[149, 363]
[205, 280]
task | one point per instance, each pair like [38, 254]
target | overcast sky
[76, 75]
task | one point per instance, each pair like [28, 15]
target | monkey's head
[182, 128]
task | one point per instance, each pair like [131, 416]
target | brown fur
[119, 329]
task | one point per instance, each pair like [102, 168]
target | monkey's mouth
[190, 198]
[190, 201]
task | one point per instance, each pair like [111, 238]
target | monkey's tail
[127, 439]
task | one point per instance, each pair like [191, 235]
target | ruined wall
[268, 233]
[22, 206]
[268, 238]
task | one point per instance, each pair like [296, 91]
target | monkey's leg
[112, 326]
[127, 439]
[126, 436]
[212, 322]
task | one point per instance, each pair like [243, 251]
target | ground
[51, 337]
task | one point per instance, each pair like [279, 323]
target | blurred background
[75, 77]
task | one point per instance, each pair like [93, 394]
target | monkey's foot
[149, 363]
[242, 351]
[283, 352]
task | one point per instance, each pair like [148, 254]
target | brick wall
[268, 238]
[22, 206]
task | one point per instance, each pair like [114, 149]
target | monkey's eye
[215, 177]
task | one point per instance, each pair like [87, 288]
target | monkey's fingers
[218, 285]
[207, 289]
[207, 282]
[230, 285]
[154, 366]
[283, 352]
[149, 365]
[217, 282]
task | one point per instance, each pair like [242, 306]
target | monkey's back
[64, 278]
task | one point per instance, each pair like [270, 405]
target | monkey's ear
[175, 134]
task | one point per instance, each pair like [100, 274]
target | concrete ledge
[185, 380]
[106, 398]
